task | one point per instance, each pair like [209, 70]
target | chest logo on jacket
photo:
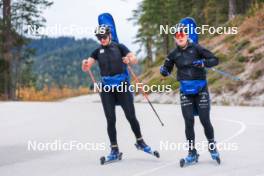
[101, 51]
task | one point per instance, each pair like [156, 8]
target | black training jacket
[110, 57]
[183, 59]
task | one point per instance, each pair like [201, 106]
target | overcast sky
[84, 14]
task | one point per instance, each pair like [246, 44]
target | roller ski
[141, 145]
[192, 158]
[214, 153]
[114, 156]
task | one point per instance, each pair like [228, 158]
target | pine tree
[16, 15]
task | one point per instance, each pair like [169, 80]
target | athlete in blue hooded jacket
[194, 93]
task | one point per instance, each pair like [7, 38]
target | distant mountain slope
[58, 60]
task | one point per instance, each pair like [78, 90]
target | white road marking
[239, 132]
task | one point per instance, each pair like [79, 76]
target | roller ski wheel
[156, 154]
[218, 160]
[111, 158]
[190, 159]
[148, 150]
[215, 156]
[214, 153]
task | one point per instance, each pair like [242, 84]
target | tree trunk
[232, 9]
[3, 78]
[7, 54]
[149, 51]
[165, 37]
[167, 44]
[6, 30]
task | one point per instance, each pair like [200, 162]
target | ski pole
[223, 73]
[226, 74]
[144, 94]
[91, 76]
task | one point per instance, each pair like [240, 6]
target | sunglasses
[179, 35]
[100, 37]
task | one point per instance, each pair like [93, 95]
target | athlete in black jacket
[112, 59]
[190, 60]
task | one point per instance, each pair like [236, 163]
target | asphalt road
[25, 126]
